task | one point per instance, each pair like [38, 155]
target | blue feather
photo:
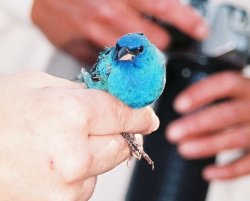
[134, 71]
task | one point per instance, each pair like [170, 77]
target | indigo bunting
[134, 72]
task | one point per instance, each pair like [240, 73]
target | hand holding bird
[134, 72]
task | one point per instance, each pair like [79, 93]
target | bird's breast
[137, 87]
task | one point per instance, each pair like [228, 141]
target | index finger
[108, 115]
[175, 13]
[108, 151]
[215, 87]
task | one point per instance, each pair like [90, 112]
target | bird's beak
[125, 55]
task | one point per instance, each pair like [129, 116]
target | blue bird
[133, 71]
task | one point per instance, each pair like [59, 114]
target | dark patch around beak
[124, 54]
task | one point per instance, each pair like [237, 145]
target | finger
[137, 23]
[99, 35]
[158, 36]
[218, 86]
[84, 51]
[37, 79]
[87, 189]
[233, 138]
[108, 151]
[108, 115]
[211, 119]
[233, 170]
[100, 31]
[175, 13]
[120, 19]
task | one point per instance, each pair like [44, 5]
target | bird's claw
[136, 154]
[137, 149]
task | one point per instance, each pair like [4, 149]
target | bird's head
[131, 46]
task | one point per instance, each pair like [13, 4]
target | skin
[83, 27]
[56, 138]
[217, 127]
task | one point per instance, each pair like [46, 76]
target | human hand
[207, 129]
[83, 27]
[56, 137]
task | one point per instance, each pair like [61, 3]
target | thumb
[108, 115]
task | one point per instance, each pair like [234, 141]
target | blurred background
[174, 179]
[23, 46]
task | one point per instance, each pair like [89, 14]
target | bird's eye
[140, 49]
[137, 51]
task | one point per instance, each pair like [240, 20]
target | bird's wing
[95, 73]
[102, 68]
[97, 76]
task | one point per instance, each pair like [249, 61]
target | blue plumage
[133, 71]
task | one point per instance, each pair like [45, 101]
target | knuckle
[122, 152]
[231, 81]
[71, 103]
[70, 108]
[76, 167]
[105, 13]
[160, 7]
[161, 10]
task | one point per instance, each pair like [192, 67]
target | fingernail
[208, 175]
[202, 31]
[188, 149]
[155, 123]
[175, 133]
[182, 104]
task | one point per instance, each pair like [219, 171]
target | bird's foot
[137, 149]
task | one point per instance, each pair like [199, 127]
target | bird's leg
[137, 149]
